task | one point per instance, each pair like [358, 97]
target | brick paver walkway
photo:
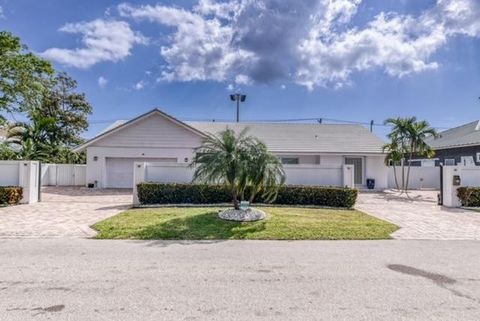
[64, 211]
[420, 217]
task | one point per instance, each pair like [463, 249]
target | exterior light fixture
[238, 98]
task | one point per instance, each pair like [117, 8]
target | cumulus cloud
[103, 40]
[140, 85]
[308, 42]
[102, 82]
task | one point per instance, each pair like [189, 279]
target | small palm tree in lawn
[238, 161]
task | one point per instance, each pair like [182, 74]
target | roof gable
[152, 129]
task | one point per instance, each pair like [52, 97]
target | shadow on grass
[199, 227]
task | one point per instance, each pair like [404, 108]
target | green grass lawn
[282, 223]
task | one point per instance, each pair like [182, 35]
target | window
[290, 160]
[478, 157]
[449, 161]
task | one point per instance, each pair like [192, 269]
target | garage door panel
[120, 170]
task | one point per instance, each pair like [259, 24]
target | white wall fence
[64, 175]
[295, 174]
[24, 174]
[469, 177]
[420, 177]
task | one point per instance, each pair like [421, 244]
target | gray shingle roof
[465, 135]
[307, 138]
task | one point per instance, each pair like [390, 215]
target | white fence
[64, 175]
[455, 177]
[24, 174]
[420, 177]
[295, 174]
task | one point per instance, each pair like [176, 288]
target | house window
[449, 161]
[290, 160]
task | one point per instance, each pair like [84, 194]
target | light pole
[238, 98]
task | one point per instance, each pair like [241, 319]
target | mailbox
[456, 180]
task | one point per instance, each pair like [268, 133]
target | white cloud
[104, 40]
[307, 42]
[102, 82]
[140, 85]
[2, 16]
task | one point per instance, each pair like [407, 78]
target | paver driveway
[420, 217]
[64, 211]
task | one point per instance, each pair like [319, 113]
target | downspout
[440, 201]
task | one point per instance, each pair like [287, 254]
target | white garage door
[120, 170]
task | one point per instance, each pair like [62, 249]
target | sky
[348, 60]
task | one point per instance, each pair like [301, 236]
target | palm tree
[33, 141]
[418, 131]
[265, 173]
[237, 161]
[393, 157]
[408, 138]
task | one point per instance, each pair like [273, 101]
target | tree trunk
[236, 203]
[408, 171]
[395, 175]
[403, 173]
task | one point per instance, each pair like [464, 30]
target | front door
[357, 163]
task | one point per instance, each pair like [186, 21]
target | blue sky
[333, 59]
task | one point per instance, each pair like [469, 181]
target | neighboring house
[458, 146]
[312, 153]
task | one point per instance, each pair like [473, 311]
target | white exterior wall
[375, 168]
[24, 174]
[96, 170]
[420, 177]
[151, 138]
[314, 175]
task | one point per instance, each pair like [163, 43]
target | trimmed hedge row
[10, 195]
[157, 193]
[469, 196]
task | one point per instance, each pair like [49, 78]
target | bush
[10, 195]
[469, 196]
[157, 193]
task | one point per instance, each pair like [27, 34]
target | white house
[312, 154]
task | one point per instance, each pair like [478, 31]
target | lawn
[282, 223]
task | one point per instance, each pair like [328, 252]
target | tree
[238, 161]
[407, 139]
[69, 110]
[23, 75]
[32, 141]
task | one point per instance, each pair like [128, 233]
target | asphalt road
[79, 279]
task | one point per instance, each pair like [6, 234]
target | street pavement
[84, 279]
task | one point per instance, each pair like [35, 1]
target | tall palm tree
[237, 161]
[418, 132]
[407, 139]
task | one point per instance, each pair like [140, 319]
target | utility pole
[371, 126]
[238, 98]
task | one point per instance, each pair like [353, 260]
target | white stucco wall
[375, 168]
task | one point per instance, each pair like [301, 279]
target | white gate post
[348, 176]
[28, 174]
[139, 172]
[450, 198]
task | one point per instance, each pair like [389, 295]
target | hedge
[158, 193]
[10, 195]
[469, 196]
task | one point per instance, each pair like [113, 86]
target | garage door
[120, 170]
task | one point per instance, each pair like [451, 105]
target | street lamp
[238, 98]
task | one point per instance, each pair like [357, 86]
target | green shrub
[469, 196]
[157, 193]
[10, 195]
